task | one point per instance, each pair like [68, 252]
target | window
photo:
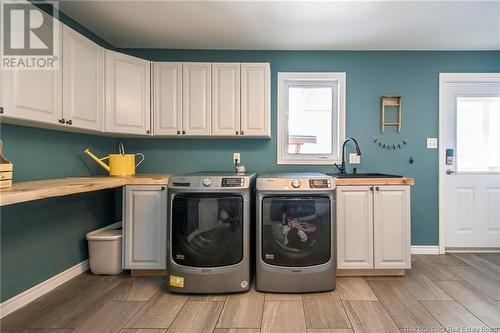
[478, 134]
[311, 113]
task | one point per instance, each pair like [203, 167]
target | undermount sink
[363, 175]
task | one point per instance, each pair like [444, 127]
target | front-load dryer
[295, 233]
[209, 232]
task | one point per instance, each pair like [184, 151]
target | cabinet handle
[148, 132]
[377, 188]
[242, 132]
[69, 122]
[183, 132]
[1, 109]
[236, 132]
[178, 132]
[371, 188]
[163, 188]
[61, 121]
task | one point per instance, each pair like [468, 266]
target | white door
[391, 227]
[145, 227]
[127, 94]
[83, 81]
[255, 99]
[33, 95]
[197, 96]
[354, 227]
[226, 99]
[470, 175]
[167, 98]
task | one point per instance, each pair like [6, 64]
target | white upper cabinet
[167, 98]
[354, 227]
[391, 227]
[255, 99]
[127, 94]
[83, 81]
[197, 96]
[225, 99]
[33, 95]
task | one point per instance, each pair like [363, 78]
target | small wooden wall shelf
[391, 101]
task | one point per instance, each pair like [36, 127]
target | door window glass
[296, 231]
[207, 231]
[478, 134]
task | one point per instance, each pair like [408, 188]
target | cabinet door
[226, 99]
[167, 98]
[83, 77]
[127, 94]
[255, 99]
[144, 227]
[391, 227]
[196, 92]
[354, 227]
[34, 95]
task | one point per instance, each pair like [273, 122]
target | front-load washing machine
[295, 233]
[209, 232]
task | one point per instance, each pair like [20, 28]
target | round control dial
[207, 182]
[295, 183]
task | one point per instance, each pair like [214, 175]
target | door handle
[450, 172]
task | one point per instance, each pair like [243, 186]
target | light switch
[432, 143]
[354, 158]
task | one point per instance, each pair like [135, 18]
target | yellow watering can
[119, 164]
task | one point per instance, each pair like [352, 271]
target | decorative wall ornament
[390, 146]
[390, 102]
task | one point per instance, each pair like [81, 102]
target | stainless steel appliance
[209, 228]
[295, 220]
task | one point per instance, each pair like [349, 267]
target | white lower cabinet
[373, 227]
[144, 227]
[391, 227]
[354, 227]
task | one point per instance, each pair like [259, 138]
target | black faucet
[358, 152]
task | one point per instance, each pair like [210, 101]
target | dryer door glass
[207, 230]
[296, 231]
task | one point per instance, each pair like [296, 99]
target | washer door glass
[207, 230]
[296, 231]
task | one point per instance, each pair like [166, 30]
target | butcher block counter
[373, 181]
[48, 188]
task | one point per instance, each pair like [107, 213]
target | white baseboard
[425, 249]
[33, 293]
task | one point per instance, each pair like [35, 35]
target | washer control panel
[319, 183]
[232, 182]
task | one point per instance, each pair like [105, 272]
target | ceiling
[292, 25]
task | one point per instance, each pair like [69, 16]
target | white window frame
[283, 157]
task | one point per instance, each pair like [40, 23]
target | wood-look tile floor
[455, 293]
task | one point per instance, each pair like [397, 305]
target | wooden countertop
[41, 189]
[373, 181]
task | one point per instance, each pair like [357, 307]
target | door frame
[445, 78]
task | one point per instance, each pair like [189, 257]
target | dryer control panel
[232, 182]
[319, 183]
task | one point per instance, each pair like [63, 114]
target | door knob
[450, 172]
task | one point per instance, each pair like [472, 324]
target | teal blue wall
[413, 75]
[42, 238]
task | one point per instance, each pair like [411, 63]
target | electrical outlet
[236, 156]
[354, 158]
[432, 143]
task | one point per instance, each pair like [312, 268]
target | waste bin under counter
[105, 250]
